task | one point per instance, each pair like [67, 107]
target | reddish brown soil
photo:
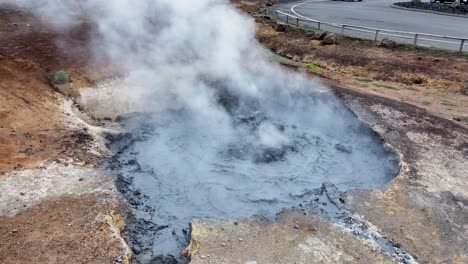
[66, 230]
[31, 126]
[33, 132]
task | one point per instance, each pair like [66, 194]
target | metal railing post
[308, 23]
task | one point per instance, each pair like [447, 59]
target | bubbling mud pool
[272, 154]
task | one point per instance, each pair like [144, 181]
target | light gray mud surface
[274, 153]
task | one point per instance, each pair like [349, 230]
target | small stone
[329, 39]
[296, 227]
[223, 244]
[388, 43]
[14, 231]
[280, 27]
[323, 35]
[240, 239]
[136, 249]
[81, 179]
[202, 257]
[236, 223]
[418, 80]
[22, 193]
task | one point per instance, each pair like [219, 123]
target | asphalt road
[380, 14]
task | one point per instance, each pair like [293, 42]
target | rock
[323, 35]
[388, 43]
[418, 80]
[464, 90]
[280, 27]
[313, 35]
[136, 249]
[330, 39]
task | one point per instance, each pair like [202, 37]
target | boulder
[280, 27]
[313, 35]
[388, 43]
[323, 35]
[330, 39]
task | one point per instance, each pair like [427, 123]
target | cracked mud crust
[426, 202]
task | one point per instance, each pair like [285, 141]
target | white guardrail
[413, 38]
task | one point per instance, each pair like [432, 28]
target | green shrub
[364, 80]
[61, 77]
[386, 86]
[447, 102]
[313, 67]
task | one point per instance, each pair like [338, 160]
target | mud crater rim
[146, 241]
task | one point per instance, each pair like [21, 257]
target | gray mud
[273, 154]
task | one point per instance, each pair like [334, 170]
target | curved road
[380, 14]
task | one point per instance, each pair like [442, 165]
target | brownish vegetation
[431, 79]
[434, 80]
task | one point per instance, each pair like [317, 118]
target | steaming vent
[216, 130]
[274, 152]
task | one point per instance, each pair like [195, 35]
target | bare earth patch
[64, 230]
[56, 207]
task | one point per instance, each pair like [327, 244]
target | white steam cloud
[168, 49]
[173, 53]
[234, 133]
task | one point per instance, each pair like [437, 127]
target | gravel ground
[461, 10]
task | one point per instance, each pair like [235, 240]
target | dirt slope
[48, 156]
